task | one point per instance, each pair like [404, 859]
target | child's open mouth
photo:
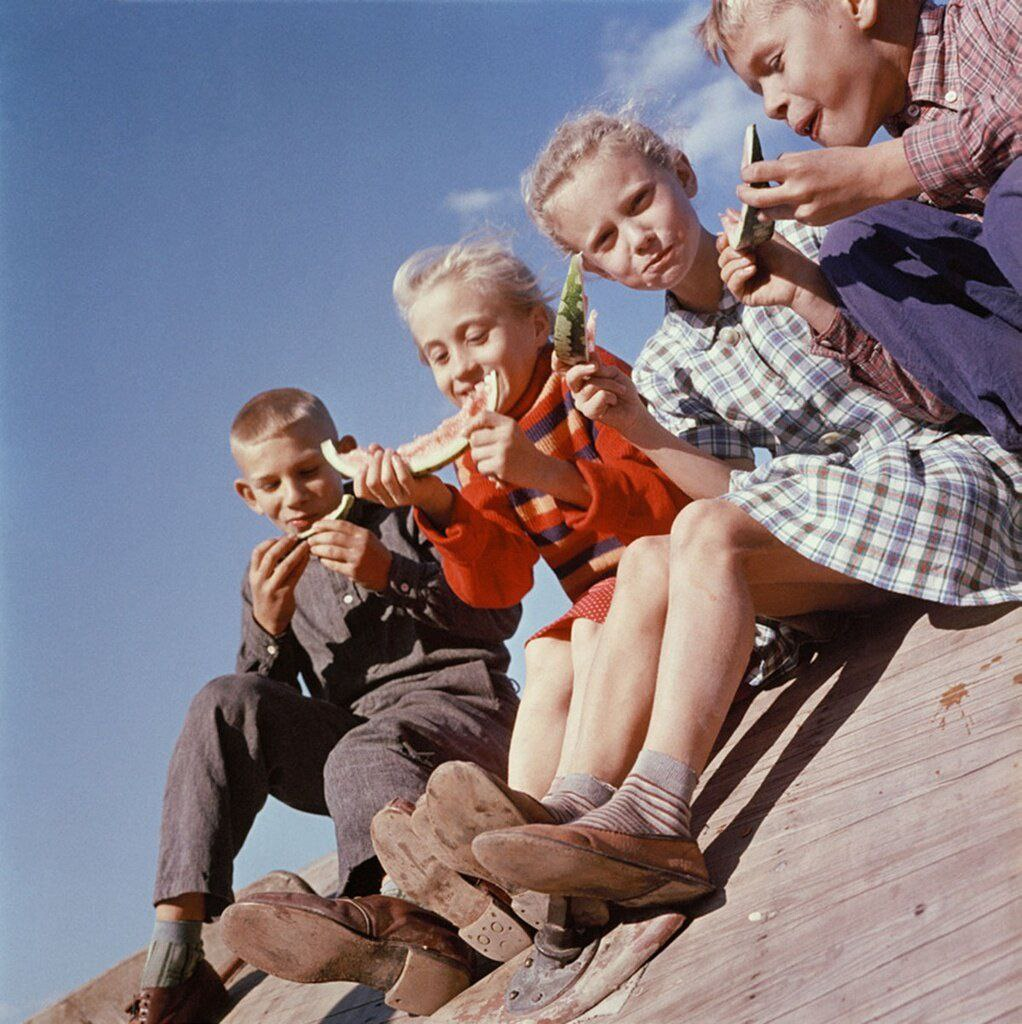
[810, 126]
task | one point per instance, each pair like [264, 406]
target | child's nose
[775, 103]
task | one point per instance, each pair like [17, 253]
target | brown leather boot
[463, 801]
[579, 860]
[479, 910]
[389, 944]
[199, 999]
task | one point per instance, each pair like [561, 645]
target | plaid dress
[853, 484]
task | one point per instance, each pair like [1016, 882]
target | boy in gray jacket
[401, 677]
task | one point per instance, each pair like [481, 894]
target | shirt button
[912, 110]
[347, 599]
[950, 96]
[404, 588]
[729, 335]
[271, 648]
[831, 438]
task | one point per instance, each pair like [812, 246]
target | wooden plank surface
[865, 825]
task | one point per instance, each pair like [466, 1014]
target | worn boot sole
[462, 802]
[306, 947]
[548, 865]
[482, 921]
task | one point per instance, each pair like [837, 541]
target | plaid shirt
[853, 485]
[962, 119]
[743, 377]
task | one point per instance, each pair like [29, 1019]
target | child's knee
[227, 697]
[702, 532]
[548, 675]
[644, 557]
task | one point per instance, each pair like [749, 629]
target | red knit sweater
[496, 535]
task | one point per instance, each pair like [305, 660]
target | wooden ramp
[864, 823]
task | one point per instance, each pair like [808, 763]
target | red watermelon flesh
[432, 451]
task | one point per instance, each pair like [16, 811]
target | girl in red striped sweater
[539, 479]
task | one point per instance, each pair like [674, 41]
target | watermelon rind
[570, 322]
[341, 512]
[442, 454]
[749, 231]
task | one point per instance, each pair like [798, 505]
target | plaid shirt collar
[703, 327]
[933, 73]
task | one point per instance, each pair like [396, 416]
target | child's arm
[268, 647]
[416, 585]
[486, 556]
[605, 393]
[777, 274]
[502, 452]
[821, 186]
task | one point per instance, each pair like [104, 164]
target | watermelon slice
[573, 337]
[432, 451]
[748, 231]
[341, 512]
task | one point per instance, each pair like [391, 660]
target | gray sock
[174, 952]
[653, 801]
[574, 794]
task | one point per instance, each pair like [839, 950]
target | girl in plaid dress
[858, 501]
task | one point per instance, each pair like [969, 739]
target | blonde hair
[272, 413]
[577, 138]
[719, 29]
[486, 263]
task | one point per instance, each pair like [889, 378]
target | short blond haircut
[720, 28]
[273, 413]
[486, 263]
[578, 138]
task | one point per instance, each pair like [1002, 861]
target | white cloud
[476, 201]
[643, 64]
[666, 75]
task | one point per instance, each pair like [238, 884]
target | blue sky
[200, 201]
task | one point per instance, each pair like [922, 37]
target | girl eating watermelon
[538, 480]
[858, 502]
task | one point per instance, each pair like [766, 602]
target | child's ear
[863, 12]
[686, 175]
[247, 495]
[541, 325]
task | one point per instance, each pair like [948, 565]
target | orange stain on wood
[953, 695]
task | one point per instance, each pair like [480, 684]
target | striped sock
[573, 795]
[652, 801]
[174, 953]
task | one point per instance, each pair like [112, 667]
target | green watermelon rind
[570, 322]
[341, 512]
[421, 465]
[748, 231]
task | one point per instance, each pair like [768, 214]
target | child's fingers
[389, 481]
[259, 553]
[402, 473]
[288, 562]
[765, 170]
[769, 201]
[273, 554]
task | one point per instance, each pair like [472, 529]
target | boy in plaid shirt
[941, 293]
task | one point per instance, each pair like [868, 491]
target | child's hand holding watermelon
[351, 550]
[502, 452]
[274, 570]
[606, 394]
[387, 479]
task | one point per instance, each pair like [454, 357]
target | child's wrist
[886, 167]
[436, 502]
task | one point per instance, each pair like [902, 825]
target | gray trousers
[246, 737]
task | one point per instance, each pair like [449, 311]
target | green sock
[174, 952]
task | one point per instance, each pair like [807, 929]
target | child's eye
[639, 199]
[269, 485]
[311, 471]
[603, 240]
[437, 358]
[476, 337]
[775, 62]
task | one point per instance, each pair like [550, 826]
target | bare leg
[584, 637]
[619, 687]
[189, 906]
[542, 716]
[726, 569]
